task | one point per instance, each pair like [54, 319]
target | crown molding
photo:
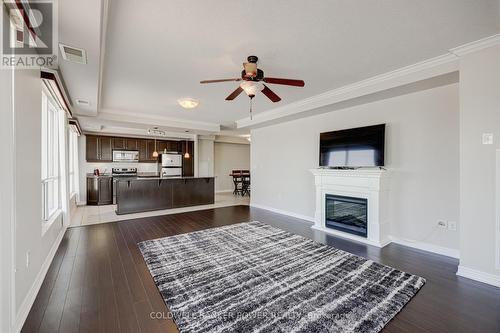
[433, 67]
[179, 123]
[477, 45]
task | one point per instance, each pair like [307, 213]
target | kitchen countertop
[157, 177]
[91, 175]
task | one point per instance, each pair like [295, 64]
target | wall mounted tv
[355, 147]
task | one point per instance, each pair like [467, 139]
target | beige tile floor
[85, 215]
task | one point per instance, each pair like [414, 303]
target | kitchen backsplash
[106, 167]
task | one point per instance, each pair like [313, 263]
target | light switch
[487, 138]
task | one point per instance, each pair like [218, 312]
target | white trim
[284, 212]
[497, 210]
[28, 301]
[477, 275]
[169, 122]
[477, 45]
[81, 203]
[355, 238]
[224, 191]
[47, 224]
[426, 69]
[445, 251]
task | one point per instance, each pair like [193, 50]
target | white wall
[227, 157]
[205, 156]
[422, 154]
[27, 192]
[480, 199]
[6, 199]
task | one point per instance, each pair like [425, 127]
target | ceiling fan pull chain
[251, 99]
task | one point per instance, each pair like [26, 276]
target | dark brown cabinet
[119, 143]
[125, 143]
[173, 146]
[131, 144]
[187, 163]
[99, 190]
[162, 194]
[162, 146]
[99, 148]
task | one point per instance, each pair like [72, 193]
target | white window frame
[51, 154]
[72, 162]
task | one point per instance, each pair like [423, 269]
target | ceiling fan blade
[270, 94]
[234, 94]
[220, 80]
[287, 82]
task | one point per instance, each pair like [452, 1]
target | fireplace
[353, 204]
[347, 214]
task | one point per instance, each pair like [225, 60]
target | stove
[121, 173]
[124, 172]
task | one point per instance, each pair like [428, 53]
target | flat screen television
[355, 147]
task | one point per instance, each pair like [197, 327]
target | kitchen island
[141, 194]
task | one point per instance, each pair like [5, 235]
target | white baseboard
[224, 191]
[28, 301]
[279, 211]
[445, 251]
[480, 276]
[81, 203]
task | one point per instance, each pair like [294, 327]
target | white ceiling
[158, 51]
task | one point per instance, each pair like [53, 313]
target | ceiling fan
[252, 77]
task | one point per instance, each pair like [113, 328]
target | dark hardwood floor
[98, 281]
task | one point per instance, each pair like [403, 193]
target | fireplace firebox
[347, 214]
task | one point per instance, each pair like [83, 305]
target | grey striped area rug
[251, 277]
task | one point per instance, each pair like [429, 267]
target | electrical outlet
[28, 259]
[487, 138]
[452, 225]
[442, 224]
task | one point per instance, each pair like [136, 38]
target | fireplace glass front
[347, 214]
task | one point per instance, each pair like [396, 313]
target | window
[51, 136]
[73, 161]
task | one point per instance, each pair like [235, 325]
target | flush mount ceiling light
[188, 103]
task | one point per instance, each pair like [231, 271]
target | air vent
[82, 102]
[73, 54]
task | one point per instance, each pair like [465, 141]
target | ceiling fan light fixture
[188, 103]
[251, 88]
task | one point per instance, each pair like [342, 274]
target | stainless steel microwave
[125, 156]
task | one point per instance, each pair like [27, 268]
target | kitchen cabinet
[162, 146]
[125, 143]
[187, 163]
[131, 144]
[119, 143]
[99, 148]
[143, 149]
[173, 146]
[105, 147]
[99, 190]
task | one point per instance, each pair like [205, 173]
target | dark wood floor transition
[98, 281]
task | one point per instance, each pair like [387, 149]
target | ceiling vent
[73, 54]
[82, 102]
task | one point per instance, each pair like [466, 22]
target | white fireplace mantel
[370, 184]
